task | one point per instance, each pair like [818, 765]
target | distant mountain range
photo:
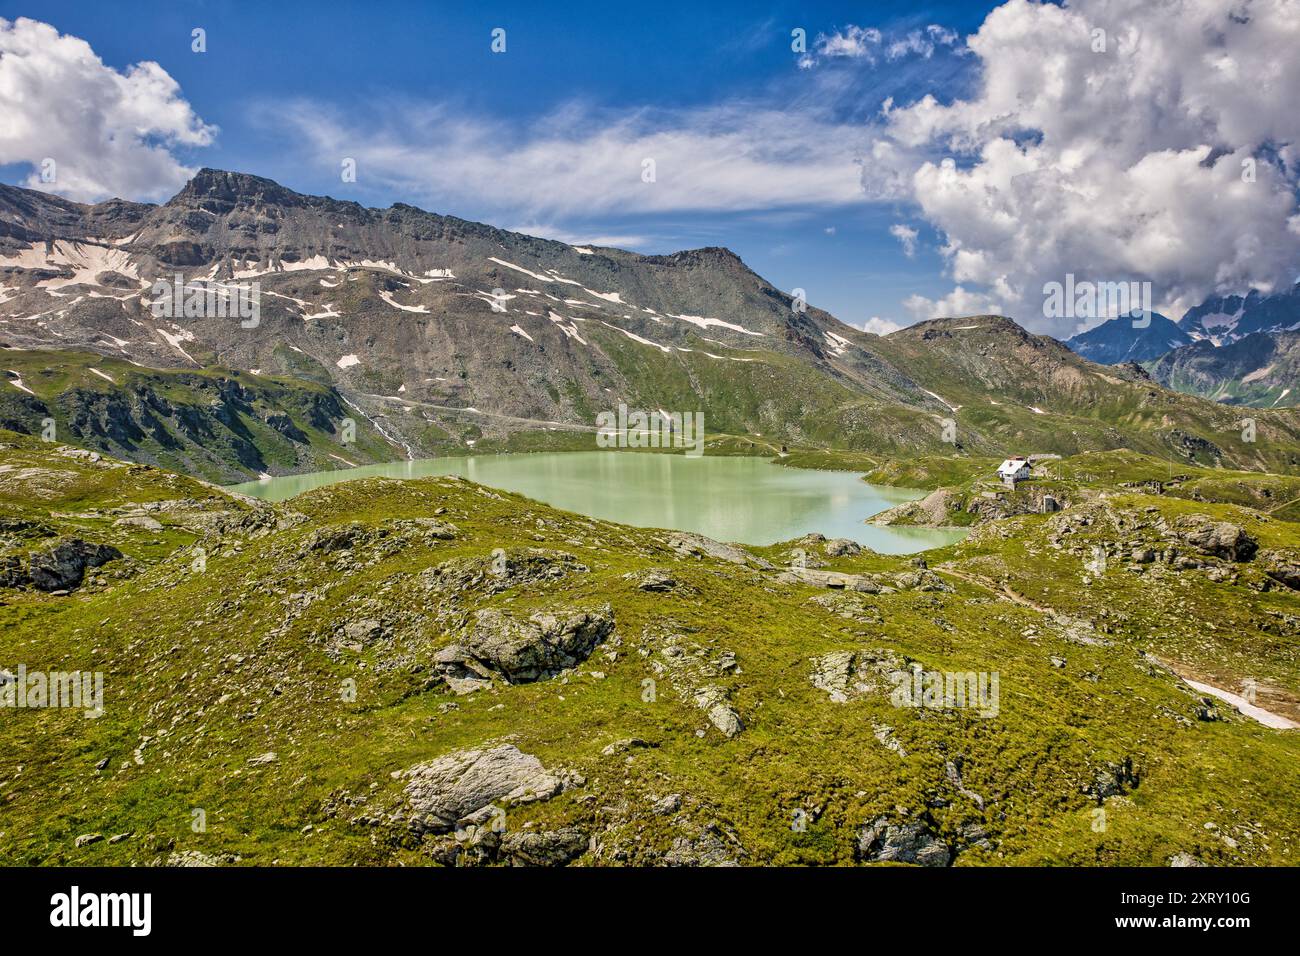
[1262, 370]
[444, 336]
[1227, 319]
[1128, 339]
[1233, 349]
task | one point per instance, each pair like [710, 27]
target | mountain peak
[1124, 339]
[706, 256]
[228, 187]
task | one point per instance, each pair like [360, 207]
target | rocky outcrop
[919, 579]
[545, 847]
[842, 547]
[935, 510]
[848, 605]
[1282, 568]
[845, 675]
[829, 579]
[713, 846]
[1219, 539]
[524, 651]
[654, 579]
[883, 841]
[687, 544]
[442, 793]
[713, 700]
[502, 570]
[1113, 780]
[58, 567]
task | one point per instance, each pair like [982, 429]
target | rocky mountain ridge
[445, 333]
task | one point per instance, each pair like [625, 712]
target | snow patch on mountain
[838, 343]
[17, 382]
[705, 323]
[388, 297]
[87, 260]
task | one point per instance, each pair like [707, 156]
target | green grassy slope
[207, 672]
[1020, 393]
[1076, 479]
[217, 423]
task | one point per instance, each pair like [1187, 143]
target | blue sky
[572, 65]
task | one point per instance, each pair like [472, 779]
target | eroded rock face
[1220, 539]
[912, 842]
[459, 785]
[524, 651]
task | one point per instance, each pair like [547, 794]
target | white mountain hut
[1013, 470]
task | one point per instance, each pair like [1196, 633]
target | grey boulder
[884, 842]
[62, 566]
[540, 647]
[451, 788]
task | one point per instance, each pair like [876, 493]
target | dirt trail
[1004, 590]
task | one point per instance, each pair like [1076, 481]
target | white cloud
[867, 43]
[853, 42]
[725, 158]
[547, 231]
[921, 43]
[958, 302]
[880, 326]
[1117, 165]
[109, 133]
[907, 236]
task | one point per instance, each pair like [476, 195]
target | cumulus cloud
[958, 302]
[880, 326]
[108, 133]
[907, 236]
[582, 162]
[1110, 140]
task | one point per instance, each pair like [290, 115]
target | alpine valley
[428, 670]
